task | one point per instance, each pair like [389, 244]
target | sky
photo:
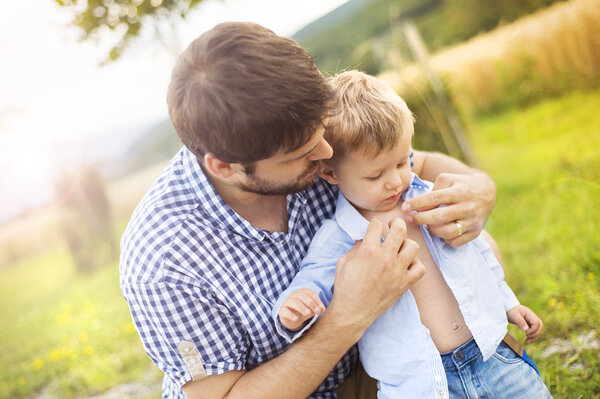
[55, 96]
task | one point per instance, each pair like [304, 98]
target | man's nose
[322, 151]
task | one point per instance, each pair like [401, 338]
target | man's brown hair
[243, 93]
[371, 117]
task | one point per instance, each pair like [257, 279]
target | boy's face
[375, 184]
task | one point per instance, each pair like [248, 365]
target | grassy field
[64, 335]
[546, 163]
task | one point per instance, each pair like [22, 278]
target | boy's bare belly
[437, 306]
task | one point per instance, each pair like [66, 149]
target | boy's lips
[394, 197]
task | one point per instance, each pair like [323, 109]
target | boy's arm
[520, 315]
[494, 246]
[298, 308]
[317, 274]
[469, 196]
[491, 252]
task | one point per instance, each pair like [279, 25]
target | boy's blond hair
[371, 117]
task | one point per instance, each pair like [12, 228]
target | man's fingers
[449, 231]
[415, 271]
[430, 200]
[373, 234]
[458, 241]
[438, 216]
[408, 253]
[395, 236]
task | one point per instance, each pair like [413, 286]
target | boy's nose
[394, 181]
[322, 151]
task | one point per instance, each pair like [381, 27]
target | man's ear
[222, 169]
[326, 172]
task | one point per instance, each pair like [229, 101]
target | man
[223, 230]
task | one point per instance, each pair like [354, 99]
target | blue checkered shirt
[201, 281]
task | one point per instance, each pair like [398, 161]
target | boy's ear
[326, 172]
[222, 169]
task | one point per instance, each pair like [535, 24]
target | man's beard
[260, 186]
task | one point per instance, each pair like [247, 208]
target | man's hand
[300, 306]
[468, 200]
[527, 321]
[372, 276]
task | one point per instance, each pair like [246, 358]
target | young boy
[445, 335]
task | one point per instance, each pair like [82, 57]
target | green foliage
[458, 20]
[126, 17]
[333, 39]
[546, 162]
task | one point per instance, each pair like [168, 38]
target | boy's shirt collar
[355, 224]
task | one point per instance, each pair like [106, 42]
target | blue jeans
[504, 375]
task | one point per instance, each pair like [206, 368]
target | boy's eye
[401, 164]
[373, 178]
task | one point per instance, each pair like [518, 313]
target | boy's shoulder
[331, 236]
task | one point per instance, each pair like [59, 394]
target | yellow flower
[54, 355]
[591, 276]
[21, 380]
[63, 318]
[83, 338]
[128, 327]
[561, 305]
[552, 302]
[67, 353]
[88, 350]
[37, 363]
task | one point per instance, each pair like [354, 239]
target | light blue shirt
[397, 348]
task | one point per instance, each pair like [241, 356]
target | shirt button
[460, 356]
[193, 360]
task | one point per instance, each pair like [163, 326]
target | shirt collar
[212, 203]
[355, 224]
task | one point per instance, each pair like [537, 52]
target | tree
[124, 17]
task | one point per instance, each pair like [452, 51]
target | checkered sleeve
[182, 324]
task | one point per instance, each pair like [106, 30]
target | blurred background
[511, 87]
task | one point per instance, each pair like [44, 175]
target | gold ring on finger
[459, 227]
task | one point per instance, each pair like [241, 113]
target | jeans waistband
[460, 356]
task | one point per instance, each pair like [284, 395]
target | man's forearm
[301, 368]
[429, 165]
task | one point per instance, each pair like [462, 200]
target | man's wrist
[345, 330]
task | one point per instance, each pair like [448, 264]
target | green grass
[546, 162]
[65, 334]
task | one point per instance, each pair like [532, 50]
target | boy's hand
[300, 306]
[527, 321]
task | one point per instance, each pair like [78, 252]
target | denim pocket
[505, 354]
